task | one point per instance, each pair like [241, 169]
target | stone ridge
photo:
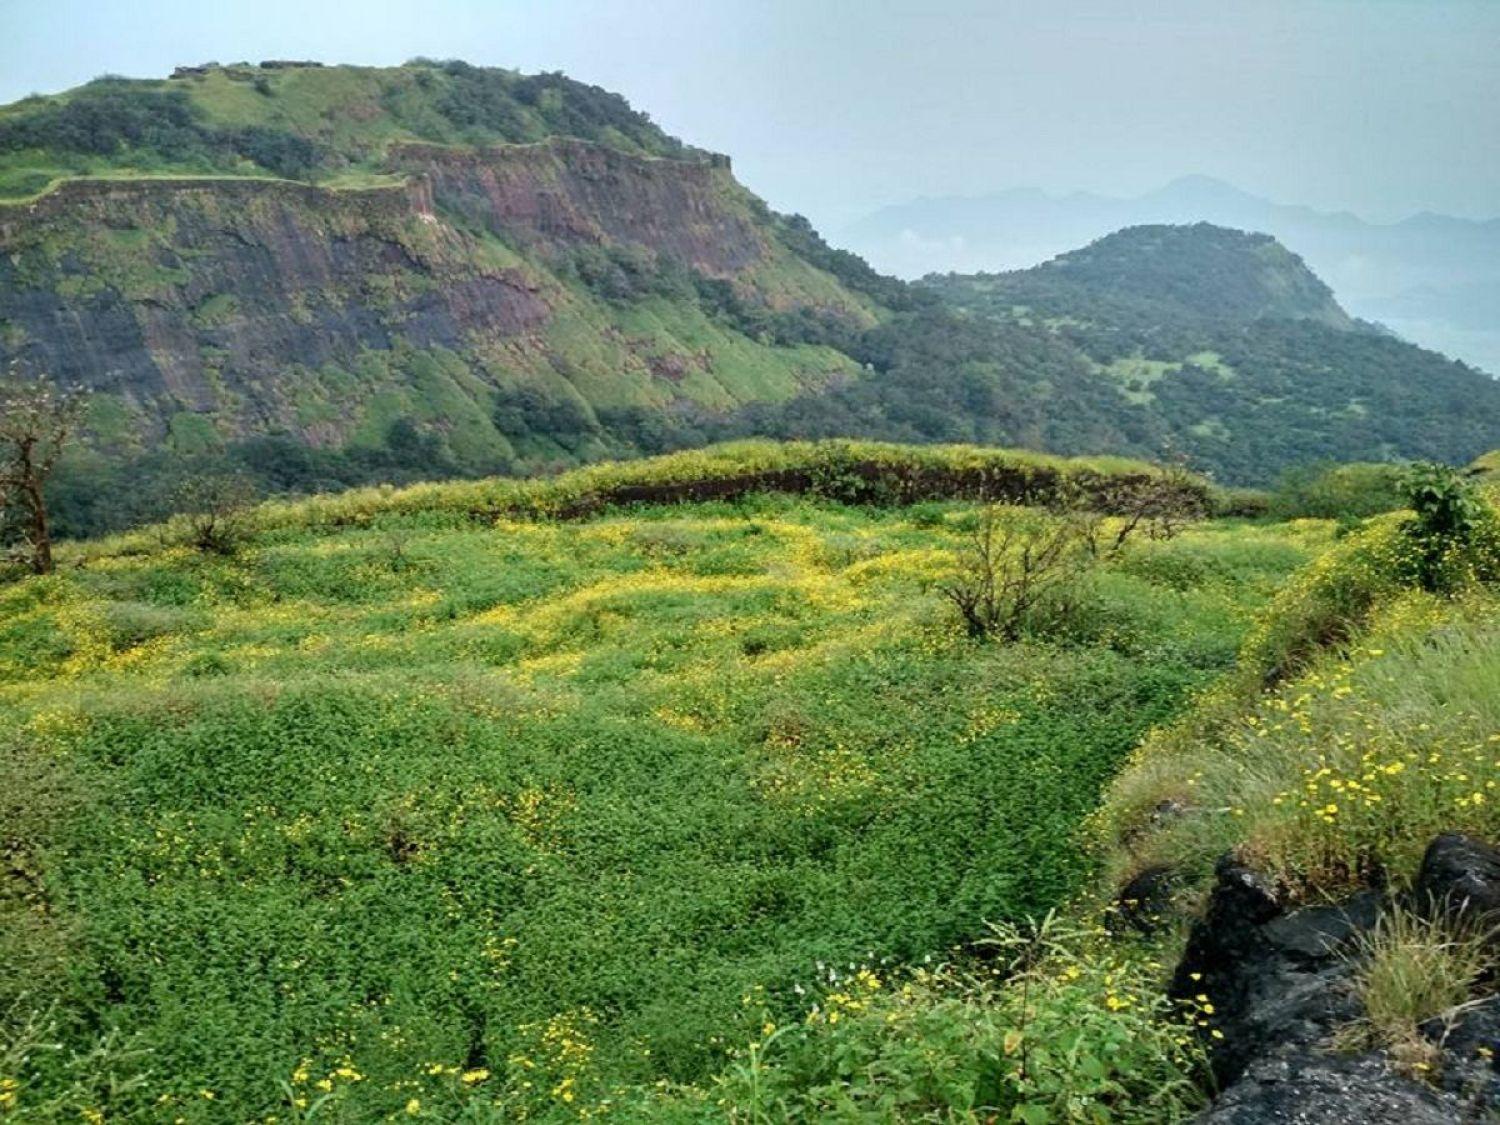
[567, 191]
[65, 195]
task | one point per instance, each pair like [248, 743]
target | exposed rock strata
[230, 298]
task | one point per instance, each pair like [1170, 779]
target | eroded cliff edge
[214, 308]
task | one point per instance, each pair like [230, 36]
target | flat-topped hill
[303, 121]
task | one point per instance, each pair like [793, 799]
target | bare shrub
[214, 512]
[1158, 506]
[395, 541]
[1014, 560]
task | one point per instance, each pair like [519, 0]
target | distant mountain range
[1433, 279]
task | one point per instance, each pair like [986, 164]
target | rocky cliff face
[223, 308]
[198, 296]
[565, 192]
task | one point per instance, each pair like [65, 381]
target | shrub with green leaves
[1338, 492]
[1058, 1024]
[1455, 530]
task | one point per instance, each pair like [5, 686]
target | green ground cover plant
[1058, 1022]
[1358, 722]
[427, 809]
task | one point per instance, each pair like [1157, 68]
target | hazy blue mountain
[1433, 279]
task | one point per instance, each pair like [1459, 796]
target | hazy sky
[833, 107]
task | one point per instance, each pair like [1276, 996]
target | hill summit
[304, 121]
[1235, 353]
[1198, 270]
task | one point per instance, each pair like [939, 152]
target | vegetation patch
[399, 812]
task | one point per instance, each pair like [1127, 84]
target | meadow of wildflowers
[696, 812]
[1361, 718]
[419, 814]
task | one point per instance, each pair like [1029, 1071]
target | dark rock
[1281, 984]
[1226, 952]
[1167, 811]
[1144, 902]
[1318, 931]
[1459, 876]
[1241, 902]
[1275, 981]
[1314, 1087]
[1470, 1041]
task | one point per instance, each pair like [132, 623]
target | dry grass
[1411, 970]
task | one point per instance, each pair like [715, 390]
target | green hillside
[1237, 354]
[324, 276]
[401, 803]
[1195, 272]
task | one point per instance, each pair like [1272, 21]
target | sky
[833, 108]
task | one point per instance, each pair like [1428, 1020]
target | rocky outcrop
[563, 192]
[1145, 902]
[1280, 984]
[1274, 980]
[1328, 1089]
[1459, 877]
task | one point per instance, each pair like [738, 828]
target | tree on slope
[37, 420]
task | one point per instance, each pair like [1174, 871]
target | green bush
[1057, 1027]
[1456, 533]
[1328, 491]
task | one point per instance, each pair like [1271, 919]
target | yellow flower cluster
[305, 1086]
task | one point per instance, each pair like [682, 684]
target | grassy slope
[830, 465]
[1360, 722]
[1362, 718]
[402, 795]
